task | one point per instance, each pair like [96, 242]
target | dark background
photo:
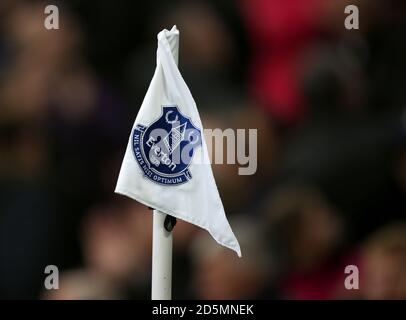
[329, 106]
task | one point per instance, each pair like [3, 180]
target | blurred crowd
[329, 105]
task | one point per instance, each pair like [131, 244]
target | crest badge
[165, 148]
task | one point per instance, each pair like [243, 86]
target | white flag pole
[161, 287]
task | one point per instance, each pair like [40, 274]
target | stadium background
[328, 103]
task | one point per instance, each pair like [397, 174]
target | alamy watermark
[351, 282]
[230, 146]
[51, 281]
[352, 20]
[51, 21]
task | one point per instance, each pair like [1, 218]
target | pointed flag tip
[238, 251]
[168, 34]
[173, 31]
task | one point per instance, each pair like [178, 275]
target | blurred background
[329, 105]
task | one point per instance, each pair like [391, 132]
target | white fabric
[197, 201]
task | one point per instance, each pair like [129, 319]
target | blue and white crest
[165, 149]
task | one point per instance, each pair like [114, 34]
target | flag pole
[161, 288]
[161, 285]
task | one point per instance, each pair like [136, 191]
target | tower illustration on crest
[175, 137]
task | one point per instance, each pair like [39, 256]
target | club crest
[165, 149]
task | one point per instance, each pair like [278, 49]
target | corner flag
[166, 164]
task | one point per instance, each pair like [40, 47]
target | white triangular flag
[166, 165]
